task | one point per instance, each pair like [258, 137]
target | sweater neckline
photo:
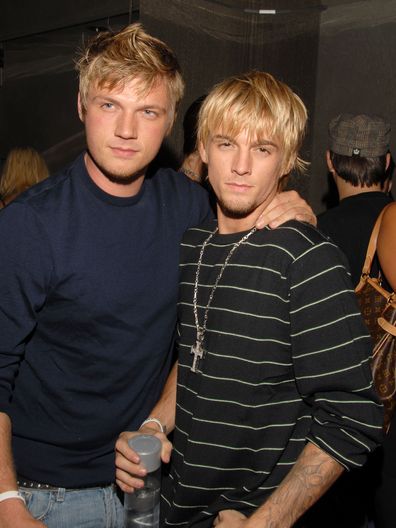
[119, 201]
[229, 238]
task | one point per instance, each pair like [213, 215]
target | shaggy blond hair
[23, 168]
[113, 59]
[262, 106]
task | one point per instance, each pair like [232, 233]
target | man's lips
[123, 152]
[238, 187]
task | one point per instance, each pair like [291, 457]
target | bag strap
[387, 326]
[371, 248]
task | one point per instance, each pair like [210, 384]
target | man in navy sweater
[88, 291]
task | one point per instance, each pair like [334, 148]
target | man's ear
[387, 186]
[287, 166]
[169, 129]
[171, 122]
[330, 165]
[80, 108]
[202, 152]
[388, 160]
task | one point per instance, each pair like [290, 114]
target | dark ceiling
[22, 18]
[38, 44]
[42, 36]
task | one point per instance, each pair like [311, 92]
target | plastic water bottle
[142, 506]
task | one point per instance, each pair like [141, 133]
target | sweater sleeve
[331, 357]
[26, 267]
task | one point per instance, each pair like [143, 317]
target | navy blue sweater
[88, 292]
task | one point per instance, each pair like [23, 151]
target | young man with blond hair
[272, 397]
[88, 291]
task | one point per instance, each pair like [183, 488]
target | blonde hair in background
[262, 106]
[23, 168]
[113, 59]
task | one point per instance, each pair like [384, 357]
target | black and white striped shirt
[286, 361]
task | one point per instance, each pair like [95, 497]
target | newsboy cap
[359, 135]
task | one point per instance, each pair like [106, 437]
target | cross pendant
[198, 352]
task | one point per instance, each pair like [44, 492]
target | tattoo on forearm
[311, 476]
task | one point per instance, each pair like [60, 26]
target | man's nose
[126, 126]
[242, 163]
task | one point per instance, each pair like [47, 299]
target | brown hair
[261, 105]
[112, 59]
[23, 168]
[360, 171]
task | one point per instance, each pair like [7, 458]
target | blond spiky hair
[113, 59]
[262, 106]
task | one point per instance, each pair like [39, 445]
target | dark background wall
[356, 73]
[337, 55]
[216, 39]
[38, 84]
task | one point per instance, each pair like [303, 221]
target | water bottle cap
[148, 447]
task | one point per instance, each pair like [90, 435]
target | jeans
[85, 508]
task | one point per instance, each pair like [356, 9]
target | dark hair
[360, 171]
[190, 126]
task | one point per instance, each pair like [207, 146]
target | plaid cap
[359, 135]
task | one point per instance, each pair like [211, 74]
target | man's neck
[114, 189]
[345, 189]
[227, 225]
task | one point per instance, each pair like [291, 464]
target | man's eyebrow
[223, 136]
[256, 143]
[154, 106]
[103, 96]
[143, 106]
[264, 142]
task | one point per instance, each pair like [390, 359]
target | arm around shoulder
[285, 206]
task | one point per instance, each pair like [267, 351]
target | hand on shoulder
[285, 206]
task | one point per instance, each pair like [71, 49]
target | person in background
[385, 505]
[272, 397]
[192, 164]
[358, 158]
[88, 290]
[386, 245]
[23, 168]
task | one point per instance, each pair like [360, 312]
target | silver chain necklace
[197, 349]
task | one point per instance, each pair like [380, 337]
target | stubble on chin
[119, 178]
[235, 211]
[123, 179]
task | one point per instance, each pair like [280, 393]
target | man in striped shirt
[272, 396]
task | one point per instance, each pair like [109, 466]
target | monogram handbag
[378, 307]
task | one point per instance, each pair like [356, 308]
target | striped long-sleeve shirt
[286, 361]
